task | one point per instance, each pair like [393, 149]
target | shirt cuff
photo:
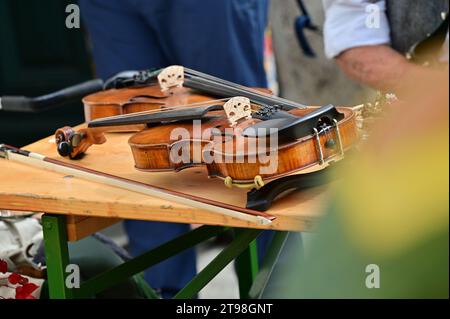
[346, 26]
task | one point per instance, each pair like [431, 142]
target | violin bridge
[237, 108]
[172, 76]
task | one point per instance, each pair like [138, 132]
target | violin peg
[172, 76]
[237, 108]
[64, 149]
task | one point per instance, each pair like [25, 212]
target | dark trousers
[224, 38]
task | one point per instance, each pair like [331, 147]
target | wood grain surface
[30, 189]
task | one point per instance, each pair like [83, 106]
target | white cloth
[348, 24]
[18, 239]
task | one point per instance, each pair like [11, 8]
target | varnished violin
[124, 93]
[135, 91]
[221, 137]
[160, 90]
[168, 87]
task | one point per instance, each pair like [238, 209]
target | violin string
[225, 90]
[166, 109]
[238, 89]
[201, 81]
[201, 85]
[219, 91]
[214, 79]
[196, 75]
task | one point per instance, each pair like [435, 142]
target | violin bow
[40, 161]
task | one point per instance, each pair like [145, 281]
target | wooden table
[75, 208]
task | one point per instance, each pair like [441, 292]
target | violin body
[178, 145]
[153, 146]
[114, 102]
[171, 86]
[153, 150]
[117, 102]
[178, 128]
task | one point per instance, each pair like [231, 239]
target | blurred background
[38, 55]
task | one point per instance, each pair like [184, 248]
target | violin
[124, 93]
[238, 163]
[73, 144]
[238, 141]
[143, 91]
[135, 91]
[137, 99]
[164, 89]
[167, 87]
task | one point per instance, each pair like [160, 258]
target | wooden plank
[79, 227]
[26, 188]
[72, 219]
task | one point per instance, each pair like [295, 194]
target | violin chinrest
[294, 126]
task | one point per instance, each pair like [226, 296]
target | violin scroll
[72, 144]
[62, 140]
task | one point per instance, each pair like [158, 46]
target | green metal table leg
[156, 255]
[246, 267]
[268, 264]
[57, 255]
[237, 246]
[145, 288]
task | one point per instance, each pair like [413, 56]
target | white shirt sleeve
[353, 23]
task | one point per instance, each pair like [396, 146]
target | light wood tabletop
[27, 188]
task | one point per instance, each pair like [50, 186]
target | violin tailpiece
[172, 76]
[237, 108]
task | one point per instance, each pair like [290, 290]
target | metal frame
[57, 255]
[261, 280]
[242, 248]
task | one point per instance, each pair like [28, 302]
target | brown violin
[153, 91]
[167, 87]
[137, 99]
[242, 143]
[136, 91]
[73, 143]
